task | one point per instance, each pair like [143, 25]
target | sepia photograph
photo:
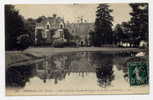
[76, 49]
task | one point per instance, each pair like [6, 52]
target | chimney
[54, 15]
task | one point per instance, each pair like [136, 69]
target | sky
[71, 12]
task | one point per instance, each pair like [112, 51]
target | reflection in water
[60, 67]
[104, 65]
[18, 76]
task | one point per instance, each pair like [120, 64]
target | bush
[23, 41]
[71, 44]
[62, 43]
[58, 43]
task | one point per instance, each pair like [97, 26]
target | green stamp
[138, 73]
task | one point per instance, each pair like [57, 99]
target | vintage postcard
[75, 49]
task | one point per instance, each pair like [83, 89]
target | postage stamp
[138, 73]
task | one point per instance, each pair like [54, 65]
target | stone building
[48, 28]
[52, 28]
[81, 29]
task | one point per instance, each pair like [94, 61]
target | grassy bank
[40, 52]
[32, 54]
[13, 57]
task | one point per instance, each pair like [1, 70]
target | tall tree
[14, 28]
[103, 25]
[139, 21]
[13, 25]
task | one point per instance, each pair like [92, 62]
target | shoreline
[47, 51]
[31, 55]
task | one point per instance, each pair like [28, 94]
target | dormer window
[47, 26]
[61, 26]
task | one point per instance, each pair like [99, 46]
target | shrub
[23, 41]
[58, 43]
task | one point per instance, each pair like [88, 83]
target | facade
[49, 28]
[81, 29]
[52, 28]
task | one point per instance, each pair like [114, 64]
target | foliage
[51, 34]
[66, 42]
[30, 27]
[76, 39]
[122, 33]
[67, 35]
[118, 33]
[39, 19]
[23, 41]
[103, 25]
[58, 43]
[14, 27]
[139, 22]
[136, 30]
[92, 38]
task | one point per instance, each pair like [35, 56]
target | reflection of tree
[104, 64]
[18, 76]
[104, 75]
[58, 66]
[120, 60]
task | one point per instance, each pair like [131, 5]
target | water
[79, 71]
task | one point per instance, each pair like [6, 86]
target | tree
[71, 40]
[30, 27]
[23, 41]
[50, 35]
[92, 38]
[14, 27]
[127, 33]
[118, 34]
[39, 19]
[139, 22]
[67, 35]
[103, 25]
[123, 33]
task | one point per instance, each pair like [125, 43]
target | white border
[89, 97]
[68, 1]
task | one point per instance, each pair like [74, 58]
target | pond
[78, 72]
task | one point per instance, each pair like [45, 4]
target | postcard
[76, 49]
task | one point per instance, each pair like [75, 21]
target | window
[47, 26]
[61, 26]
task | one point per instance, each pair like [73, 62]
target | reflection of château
[57, 67]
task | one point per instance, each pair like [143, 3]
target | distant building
[81, 29]
[48, 28]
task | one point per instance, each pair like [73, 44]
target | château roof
[53, 21]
